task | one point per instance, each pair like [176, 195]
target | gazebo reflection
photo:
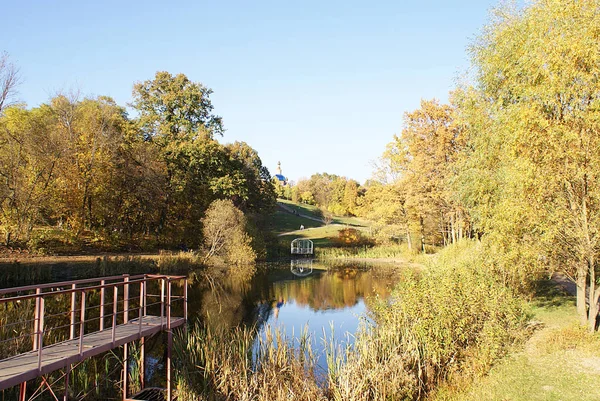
[301, 267]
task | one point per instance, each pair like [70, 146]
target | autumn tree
[422, 157]
[538, 76]
[225, 236]
[29, 154]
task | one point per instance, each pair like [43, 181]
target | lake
[289, 295]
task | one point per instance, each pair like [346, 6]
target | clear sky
[319, 85]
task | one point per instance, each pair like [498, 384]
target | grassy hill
[290, 216]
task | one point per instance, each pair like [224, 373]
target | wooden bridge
[88, 317]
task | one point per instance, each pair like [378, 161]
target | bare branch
[9, 80]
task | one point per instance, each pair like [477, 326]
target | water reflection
[301, 267]
[319, 302]
[291, 295]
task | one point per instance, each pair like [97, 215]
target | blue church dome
[279, 176]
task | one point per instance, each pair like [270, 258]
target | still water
[289, 295]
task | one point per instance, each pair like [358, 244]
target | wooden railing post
[185, 299]
[73, 302]
[40, 333]
[144, 295]
[141, 308]
[114, 315]
[102, 283]
[162, 301]
[36, 319]
[82, 323]
[126, 299]
[169, 342]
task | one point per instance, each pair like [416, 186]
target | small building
[302, 246]
[281, 179]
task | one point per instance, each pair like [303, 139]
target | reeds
[230, 365]
[452, 320]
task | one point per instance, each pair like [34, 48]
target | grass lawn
[561, 361]
[283, 222]
[313, 211]
[321, 234]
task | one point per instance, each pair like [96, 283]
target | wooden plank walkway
[24, 367]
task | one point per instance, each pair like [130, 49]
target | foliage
[533, 127]
[84, 167]
[225, 236]
[173, 108]
[331, 193]
[351, 237]
[453, 317]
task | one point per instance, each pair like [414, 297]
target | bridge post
[22, 391]
[125, 373]
[125, 346]
[36, 319]
[40, 333]
[169, 342]
[73, 302]
[102, 283]
[82, 323]
[142, 363]
[126, 298]
[67, 376]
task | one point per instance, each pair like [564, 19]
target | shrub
[351, 237]
[225, 237]
[452, 317]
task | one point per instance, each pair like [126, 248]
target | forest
[87, 169]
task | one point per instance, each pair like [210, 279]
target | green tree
[174, 108]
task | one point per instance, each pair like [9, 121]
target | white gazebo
[301, 246]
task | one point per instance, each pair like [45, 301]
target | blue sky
[319, 85]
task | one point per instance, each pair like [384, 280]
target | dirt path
[565, 283]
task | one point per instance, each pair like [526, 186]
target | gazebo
[301, 246]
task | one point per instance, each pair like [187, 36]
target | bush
[453, 317]
[225, 236]
[351, 237]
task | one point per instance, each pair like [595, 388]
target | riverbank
[28, 258]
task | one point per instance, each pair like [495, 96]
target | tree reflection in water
[271, 293]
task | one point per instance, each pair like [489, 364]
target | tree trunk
[593, 296]
[581, 285]
[408, 239]
[422, 224]
[453, 227]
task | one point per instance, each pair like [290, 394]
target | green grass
[561, 361]
[283, 222]
[313, 211]
[321, 236]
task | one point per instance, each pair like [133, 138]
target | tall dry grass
[229, 365]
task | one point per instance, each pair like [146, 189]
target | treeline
[85, 166]
[331, 193]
